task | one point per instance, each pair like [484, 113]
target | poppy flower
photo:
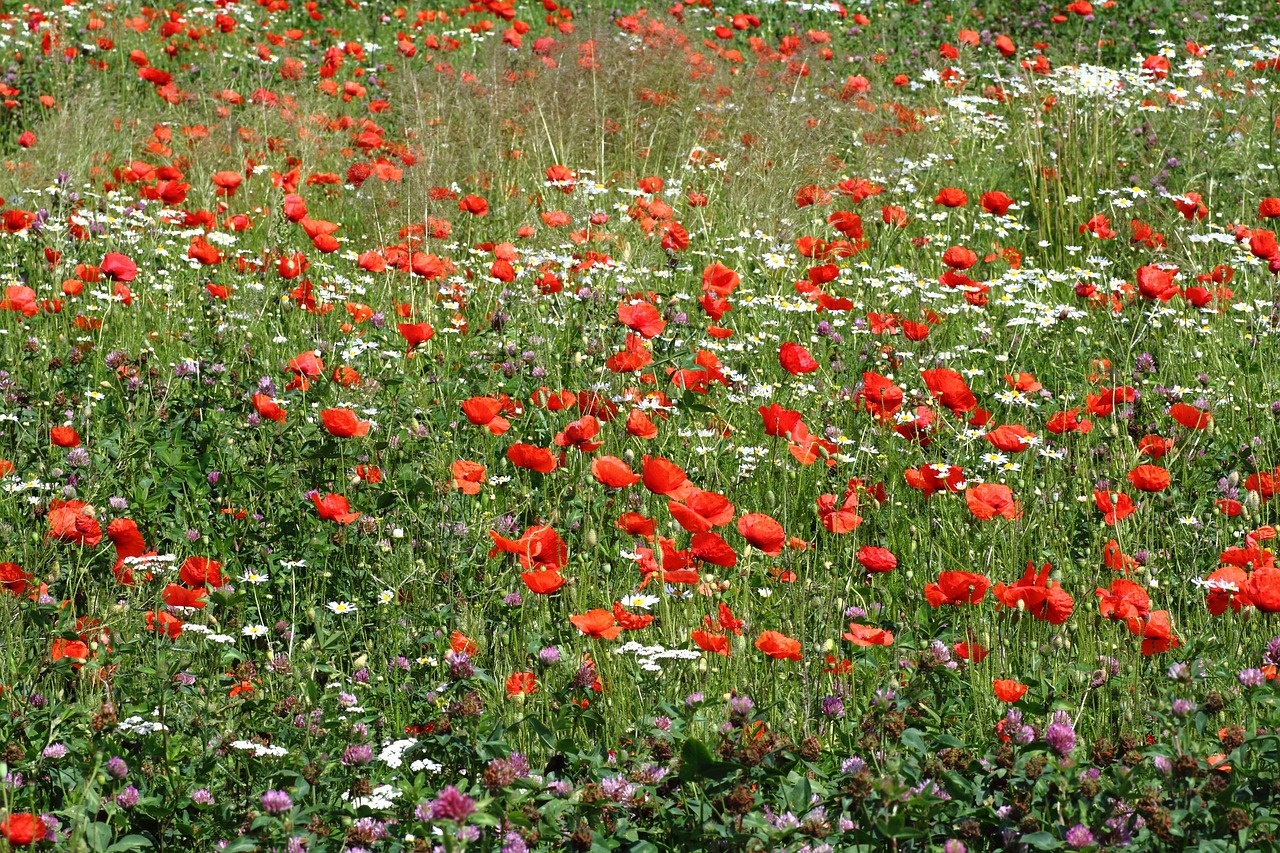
[663, 477]
[719, 279]
[1156, 631]
[1114, 506]
[1044, 599]
[762, 532]
[777, 420]
[538, 547]
[880, 396]
[796, 360]
[951, 197]
[267, 408]
[1008, 690]
[959, 258]
[13, 578]
[201, 571]
[534, 458]
[579, 434]
[521, 684]
[543, 582]
[1010, 438]
[868, 635]
[23, 829]
[643, 318]
[118, 267]
[950, 390]
[1228, 586]
[841, 518]
[1189, 416]
[988, 500]
[971, 651]
[1263, 589]
[710, 641]
[1157, 283]
[334, 508]
[1124, 600]
[1155, 446]
[598, 624]
[72, 521]
[1068, 421]
[63, 436]
[877, 560]
[956, 588]
[701, 511]
[177, 595]
[778, 646]
[630, 621]
[164, 623]
[935, 477]
[1149, 478]
[711, 548]
[343, 423]
[996, 203]
[415, 334]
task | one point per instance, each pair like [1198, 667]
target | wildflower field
[739, 426]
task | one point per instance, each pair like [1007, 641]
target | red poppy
[70, 521]
[415, 334]
[934, 478]
[1114, 506]
[702, 511]
[521, 684]
[176, 595]
[23, 829]
[164, 623]
[334, 508]
[543, 582]
[951, 197]
[613, 472]
[777, 420]
[956, 588]
[13, 578]
[1010, 438]
[841, 518]
[579, 434]
[598, 624]
[959, 258]
[996, 203]
[643, 318]
[1068, 421]
[1189, 416]
[1044, 599]
[534, 458]
[1263, 589]
[1157, 283]
[64, 436]
[881, 397]
[76, 650]
[1156, 631]
[1149, 478]
[711, 548]
[713, 642]
[877, 560]
[868, 635]
[538, 547]
[949, 388]
[988, 500]
[1228, 586]
[1008, 690]
[267, 408]
[796, 360]
[663, 477]
[201, 571]
[971, 651]
[1124, 600]
[343, 423]
[1155, 446]
[778, 646]
[118, 267]
[762, 532]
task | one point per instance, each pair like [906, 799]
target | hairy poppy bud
[591, 539]
[771, 499]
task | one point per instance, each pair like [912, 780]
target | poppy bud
[1233, 479]
[1252, 501]
[1022, 606]
[1115, 431]
[591, 539]
[1247, 613]
[701, 666]
[828, 645]
[771, 499]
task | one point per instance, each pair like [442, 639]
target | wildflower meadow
[755, 425]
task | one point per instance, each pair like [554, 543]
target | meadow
[749, 426]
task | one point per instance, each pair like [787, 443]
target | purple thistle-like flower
[832, 706]
[449, 804]
[1251, 677]
[202, 797]
[116, 768]
[1061, 738]
[357, 755]
[128, 798]
[1182, 707]
[276, 802]
[1079, 837]
[548, 656]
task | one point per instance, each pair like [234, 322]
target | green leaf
[130, 842]
[98, 836]
[1041, 841]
